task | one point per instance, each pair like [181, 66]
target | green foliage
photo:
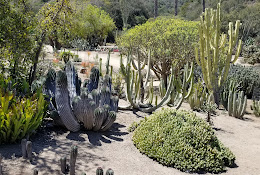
[66, 56]
[256, 108]
[15, 40]
[182, 140]
[20, 117]
[91, 23]
[167, 39]
[247, 78]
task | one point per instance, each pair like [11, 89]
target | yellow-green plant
[214, 54]
[20, 117]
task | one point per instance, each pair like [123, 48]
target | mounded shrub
[181, 140]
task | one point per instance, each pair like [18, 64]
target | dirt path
[114, 149]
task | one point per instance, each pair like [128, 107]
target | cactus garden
[108, 87]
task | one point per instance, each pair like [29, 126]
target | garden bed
[114, 149]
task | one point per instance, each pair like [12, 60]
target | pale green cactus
[237, 102]
[213, 55]
[256, 108]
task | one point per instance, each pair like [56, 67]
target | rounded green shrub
[180, 139]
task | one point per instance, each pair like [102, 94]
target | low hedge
[180, 139]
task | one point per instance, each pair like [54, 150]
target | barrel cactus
[93, 104]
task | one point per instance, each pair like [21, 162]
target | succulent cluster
[93, 104]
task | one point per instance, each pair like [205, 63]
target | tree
[92, 23]
[168, 39]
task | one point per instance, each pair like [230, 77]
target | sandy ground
[114, 148]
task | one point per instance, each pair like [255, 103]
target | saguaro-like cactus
[237, 104]
[29, 150]
[212, 55]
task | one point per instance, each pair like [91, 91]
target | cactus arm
[166, 98]
[99, 115]
[109, 122]
[148, 69]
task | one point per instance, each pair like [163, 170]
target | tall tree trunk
[36, 58]
[176, 8]
[155, 8]
[203, 5]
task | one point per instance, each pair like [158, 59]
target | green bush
[247, 78]
[182, 140]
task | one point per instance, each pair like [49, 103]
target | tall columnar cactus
[256, 108]
[237, 104]
[213, 55]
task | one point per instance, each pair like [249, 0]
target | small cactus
[0, 164]
[73, 158]
[99, 171]
[35, 172]
[23, 144]
[110, 172]
[237, 104]
[29, 150]
[63, 164]
[256, 108]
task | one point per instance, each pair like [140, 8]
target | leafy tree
[168, 39]
[15, 40]
[92, 23]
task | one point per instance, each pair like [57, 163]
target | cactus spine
[212, 48]
[237, 104]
